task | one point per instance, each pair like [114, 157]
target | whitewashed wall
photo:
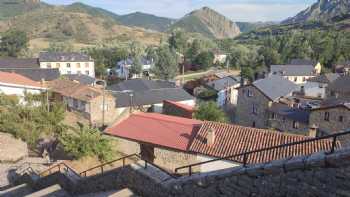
[73, 69]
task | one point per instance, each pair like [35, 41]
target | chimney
[210, 137]
[313, 130]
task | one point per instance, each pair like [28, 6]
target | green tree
[205, 59]
[12, 42]
[194, 50]
[85, 142]
[166, 67]
[209, 111]
[178, 41]
[136, 67]
[247, 73]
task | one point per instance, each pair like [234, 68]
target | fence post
[101, 169]
[146, 164]
[124, 162]
[334, 143]
[245, 158]
[190, 170]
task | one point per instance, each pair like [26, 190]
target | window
[304, 79]
[255, 109]
[295, 79]
[295, 125]
[254, 124]
[332, 93]
[68, 65]
[249, 93]
[326, 116]
[78, 65]
[87, 65]
[273, 116]
[341, 118]
[79, 72]
[58, 65]
[48, 65]
[87, 72]
[69, 72]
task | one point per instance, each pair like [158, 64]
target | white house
[298, 71]
[122, 69]
[18, 85]
[226, 89]
[68, 63]
[316, 87]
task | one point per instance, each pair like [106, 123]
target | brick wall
[245, 115]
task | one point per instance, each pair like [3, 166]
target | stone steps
[16, 191]
[52, 191]
[120, 193]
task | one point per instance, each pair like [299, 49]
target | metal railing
[58, 168]
[246, 155]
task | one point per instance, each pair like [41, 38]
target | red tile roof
[188, 108]
[158, 129]
[16, 79]
[233, 139]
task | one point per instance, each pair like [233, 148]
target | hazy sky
[237, 10]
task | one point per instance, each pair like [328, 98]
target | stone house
[178, 109]
[339, 88]
[226, 89]
[171, 142]
[289, 119]
[331, 117]
[95, 104]
[255, 100]
[68, 63]
[298, 71]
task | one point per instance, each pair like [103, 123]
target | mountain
[323, 10]
[208, 23]
[250, 26]
[10, 8]
[94, 11]
[147, 21]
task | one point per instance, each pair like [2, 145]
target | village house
[148, 95]
[95, 104]
[178, 109]
[255, 99]
[122, 69]
[339, 88]
[298, 71]
[18, 85]
[171, 142]
[342, 67]
[331, 117]
[316, 87]
[226, 89]
[68, 63]
[289, 119]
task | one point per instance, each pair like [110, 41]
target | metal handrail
[108, 163]
[42, 174]
[246, 154]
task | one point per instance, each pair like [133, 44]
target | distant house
[18, 85]
[148, 95]
[331, 117]
[68, 63]
[93, 103]
[298, 71]
[342, 67]
[82, 79]
[178, 109]
[254, 100]
[289, 119]
[316, 87]
[226, 89]
[172, 142]
[122, 69]
[219, 57]
[339, 88]
[11, 63]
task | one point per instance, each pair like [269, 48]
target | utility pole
[103, 103]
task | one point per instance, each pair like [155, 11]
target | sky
[236, 10]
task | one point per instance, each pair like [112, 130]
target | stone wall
[111, 113]
[171, 159]
[173, 110]
[127, 147]
[286, 125]
[245, 103]
[317, 118]
[315, 175]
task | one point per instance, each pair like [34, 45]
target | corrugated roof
[19, 63]
[162, 130]
[63, 57]
[233, 139]
[293, 70]
[222, 84]
[141, 85]
[275, 87]
[36, 74]
[16, 79]
[151, 97]
[325, 78]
